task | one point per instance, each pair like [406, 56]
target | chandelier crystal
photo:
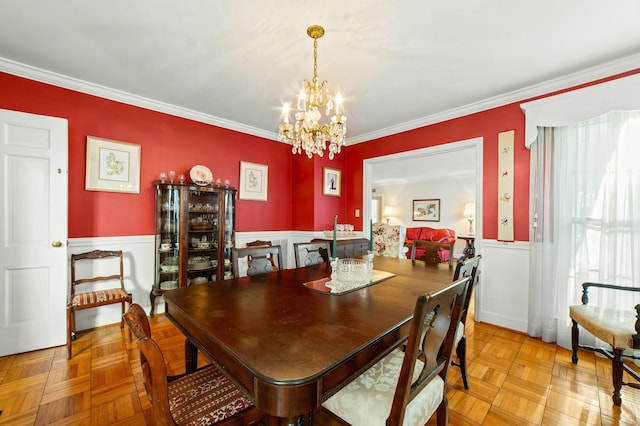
[308, 133]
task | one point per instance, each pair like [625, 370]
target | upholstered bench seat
[375, 389]
[614, 326]
[99, 297]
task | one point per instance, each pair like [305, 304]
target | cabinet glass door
[229, 233]
[202, 239]
[167, 237]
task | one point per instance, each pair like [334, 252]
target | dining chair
[96, 292]
[466, 268]
[308, 254]
[618, 328]
[407, 387]
[256, 260]
[204, 397]
[431, 252]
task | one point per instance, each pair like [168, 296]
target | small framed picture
[112, 166]
[254, 179]
[426, 210]
[331, 182]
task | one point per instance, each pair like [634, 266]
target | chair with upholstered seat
[308, 254]
[102, 291]
[406, 388]
[204, 397]
[466, 268]
[256, 260]
[619, 328]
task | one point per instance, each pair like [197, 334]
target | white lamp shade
[469, 210]
[388, 211]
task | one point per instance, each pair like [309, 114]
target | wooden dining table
[291, 346]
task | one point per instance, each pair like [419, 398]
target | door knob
[56, 244]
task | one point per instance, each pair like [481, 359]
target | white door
[33, 231]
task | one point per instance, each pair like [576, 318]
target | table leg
[470, 250]
[303, 420]
[190, 356]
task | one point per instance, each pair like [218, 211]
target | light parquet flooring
[514, 380]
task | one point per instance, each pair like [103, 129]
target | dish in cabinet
[168, 285]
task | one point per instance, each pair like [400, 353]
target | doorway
[401, 162]
[376, 208]
[434, 155]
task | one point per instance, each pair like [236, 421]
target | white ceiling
[401, 64]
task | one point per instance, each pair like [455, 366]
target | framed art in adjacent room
[331, 182]
[426, 210]
[112, 166]
[254, 179]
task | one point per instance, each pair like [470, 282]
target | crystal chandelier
[308, 133]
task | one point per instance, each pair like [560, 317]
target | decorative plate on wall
[201, 175]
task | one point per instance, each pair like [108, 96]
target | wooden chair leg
[616, 373]
[461, 351]
[574, 342]
[122, 321]
[442, 413]
[69, 330]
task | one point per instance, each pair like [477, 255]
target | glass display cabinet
[195, 231]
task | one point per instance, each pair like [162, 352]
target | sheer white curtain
[585, 212]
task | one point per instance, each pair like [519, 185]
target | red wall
[167, 142]
[311, 210]
[295, 200]
[486, 124]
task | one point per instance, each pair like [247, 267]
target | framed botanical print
[253, 181]
[426, 210]
[112, 166]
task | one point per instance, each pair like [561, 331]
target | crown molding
[60, 80]
[608, 69]
[625, 64]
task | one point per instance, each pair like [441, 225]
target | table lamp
[387, 213]
[470, 213]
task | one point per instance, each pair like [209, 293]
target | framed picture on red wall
[112, 166]
[254, 179]
[331, 182]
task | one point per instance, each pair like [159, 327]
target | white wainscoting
[139, 267]
[502, 294]
[286, 239]
[138, 274]
[501, 298]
